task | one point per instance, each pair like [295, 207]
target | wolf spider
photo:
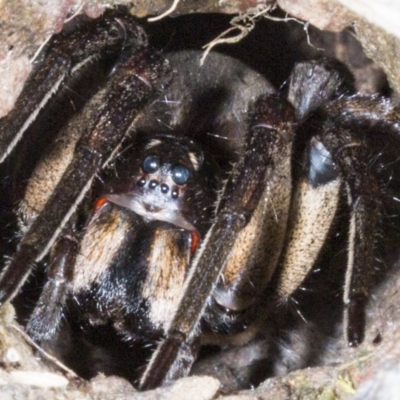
[179, 192]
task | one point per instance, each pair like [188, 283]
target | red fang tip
[99, 203]
[195, 242]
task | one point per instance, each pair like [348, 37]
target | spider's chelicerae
[211, 185]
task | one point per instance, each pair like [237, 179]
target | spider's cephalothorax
[211, 183]
[172, 181]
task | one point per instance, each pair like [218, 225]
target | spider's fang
[99, 203]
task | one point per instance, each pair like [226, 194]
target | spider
[179, 192]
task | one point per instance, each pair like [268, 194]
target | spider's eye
[180, 174]
[151, 164]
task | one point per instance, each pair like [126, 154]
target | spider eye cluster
[179, 173]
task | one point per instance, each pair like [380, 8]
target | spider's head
[166, 182]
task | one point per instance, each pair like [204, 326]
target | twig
[59, 364]
[166, 13]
